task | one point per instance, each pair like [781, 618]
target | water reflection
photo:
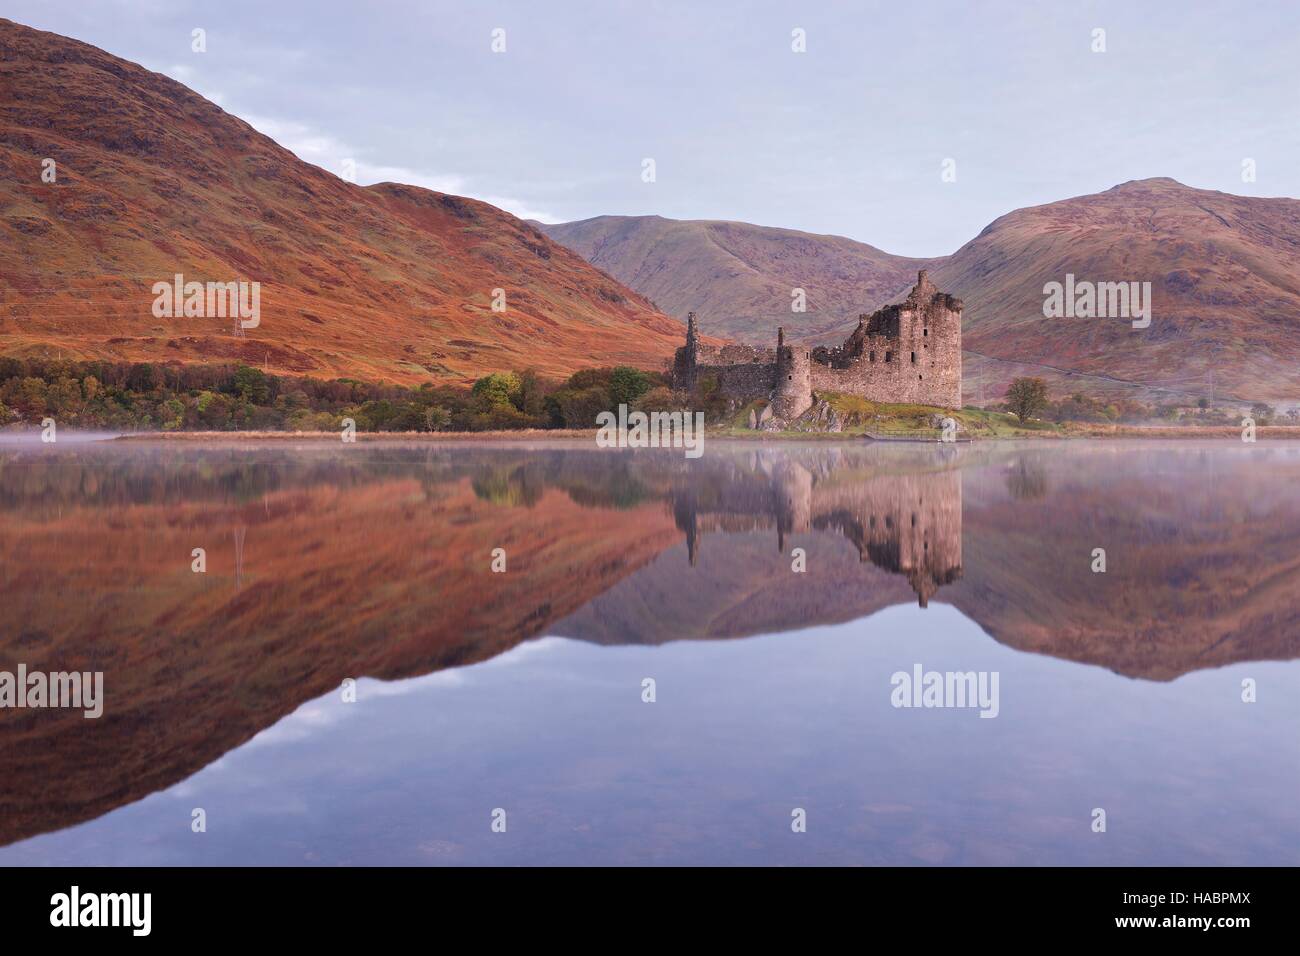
[374, 561]
[909, 524]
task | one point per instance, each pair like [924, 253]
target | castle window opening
[925, 333]
[888, 355]
[913, 358]
[872, 355]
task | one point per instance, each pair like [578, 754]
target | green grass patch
[862, 417]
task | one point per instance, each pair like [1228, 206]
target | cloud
[329, 153]
[526, 651]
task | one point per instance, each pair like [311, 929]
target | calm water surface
[522, 690]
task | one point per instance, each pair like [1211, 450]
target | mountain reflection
[329, 562]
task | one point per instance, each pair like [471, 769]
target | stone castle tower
[792, 393]
[904, 353]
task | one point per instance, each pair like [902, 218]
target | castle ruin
[907, 353]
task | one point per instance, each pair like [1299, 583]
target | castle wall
[906, 353]
[934, 378]
[743, 372]
[909, 353]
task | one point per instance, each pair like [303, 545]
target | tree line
[1028, 398]
[144, 396]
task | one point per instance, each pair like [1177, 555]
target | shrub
[578, 407]
[627, 384]
[497, 389]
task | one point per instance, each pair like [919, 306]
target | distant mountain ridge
[740, 279]
[1224, 273]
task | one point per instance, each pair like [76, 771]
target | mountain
[386, 282]
[1225, 287]
[1224, 273]
[396, 283]
[739, 278]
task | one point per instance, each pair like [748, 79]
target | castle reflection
[907, 524]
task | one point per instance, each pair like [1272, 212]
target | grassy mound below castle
[836, 415]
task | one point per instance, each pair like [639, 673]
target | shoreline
[1069, 432]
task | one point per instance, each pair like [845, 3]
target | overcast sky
[848, 138]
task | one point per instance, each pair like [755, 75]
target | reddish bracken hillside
[384, 282]
[1225, 289]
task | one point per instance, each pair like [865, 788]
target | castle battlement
[909, 352]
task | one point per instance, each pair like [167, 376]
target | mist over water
[68, 436]
[523, 689]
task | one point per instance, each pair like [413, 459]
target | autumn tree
[1026, 397]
